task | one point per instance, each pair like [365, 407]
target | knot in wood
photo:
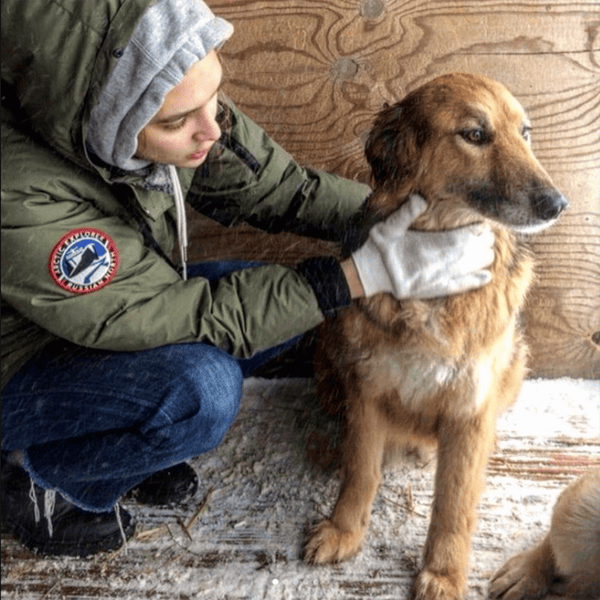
[344, 68]
[372, 9]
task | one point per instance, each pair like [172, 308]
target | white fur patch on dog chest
[414, 377]
[418, 379]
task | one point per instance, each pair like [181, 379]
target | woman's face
[185, 128]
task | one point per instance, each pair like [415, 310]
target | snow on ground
[241, 536]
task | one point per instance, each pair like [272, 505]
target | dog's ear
[394, 143]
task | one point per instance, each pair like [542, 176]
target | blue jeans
[95, 423]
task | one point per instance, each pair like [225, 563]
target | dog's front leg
[340, 536]
[462, 455]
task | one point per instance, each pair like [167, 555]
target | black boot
[171, 486]
[68, 530]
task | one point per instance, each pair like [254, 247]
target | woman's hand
[420, 264]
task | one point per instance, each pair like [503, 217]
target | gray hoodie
[170, 37]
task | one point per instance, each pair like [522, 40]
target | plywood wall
[314, 72]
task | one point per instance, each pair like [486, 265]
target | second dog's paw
[328, 544]
[519, 579]
[433, 586]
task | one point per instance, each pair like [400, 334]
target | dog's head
[464, 138]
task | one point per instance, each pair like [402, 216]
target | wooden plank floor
[259, 494]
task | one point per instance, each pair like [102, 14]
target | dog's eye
[475, 136]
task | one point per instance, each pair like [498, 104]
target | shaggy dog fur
[440, 370]
[567, 561]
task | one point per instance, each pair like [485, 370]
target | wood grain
[314, 73]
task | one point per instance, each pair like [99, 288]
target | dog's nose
[548, 204]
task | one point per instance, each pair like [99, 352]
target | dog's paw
[518, 579]
[434, 586]
[328, 544]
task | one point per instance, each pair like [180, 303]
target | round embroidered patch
[84, 260]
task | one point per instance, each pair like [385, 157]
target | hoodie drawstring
[181, 220]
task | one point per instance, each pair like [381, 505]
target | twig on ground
[150, 534]
[198, 512]
[409, 503]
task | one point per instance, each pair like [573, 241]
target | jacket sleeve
[256, 181]
[146, 303]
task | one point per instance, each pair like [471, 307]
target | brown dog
[568, 558]
[438, 370]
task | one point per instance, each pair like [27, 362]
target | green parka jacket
[56, 56]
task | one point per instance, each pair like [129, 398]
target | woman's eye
[526, 133]
[475, 136]
[175, 125]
